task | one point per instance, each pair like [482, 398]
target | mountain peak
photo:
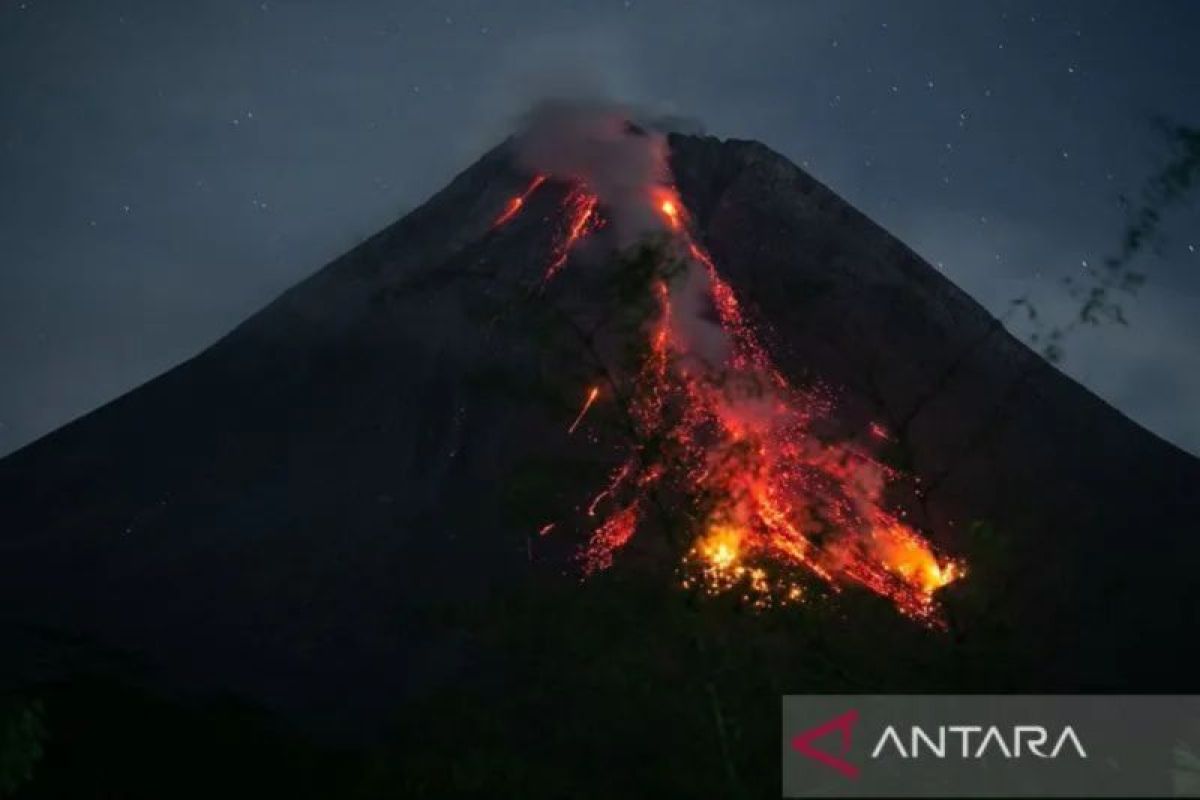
[416, 427]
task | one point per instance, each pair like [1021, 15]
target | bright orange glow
[720, 548]
[515, 204]
[611, 537]
[667, 204]
[592, 394]
[672, 213]
[581, 205]
[774, 506]
[909, 557]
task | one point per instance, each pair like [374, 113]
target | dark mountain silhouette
[332, 511]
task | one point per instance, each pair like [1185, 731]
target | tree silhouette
[1103, 289]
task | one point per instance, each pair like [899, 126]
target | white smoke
[620, 154]
[694, 323]
[600, 144]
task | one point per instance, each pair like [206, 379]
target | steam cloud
[610, 147]
[620, 153]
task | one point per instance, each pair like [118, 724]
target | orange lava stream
[775, 506]
[515, 204]
[581, 209]
[593, 393]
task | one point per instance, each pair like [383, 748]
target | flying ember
[721, 430]
[593, 393]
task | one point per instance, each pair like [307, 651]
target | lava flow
[719, 429]
[516, 203]
[581, 211]
[592, 394]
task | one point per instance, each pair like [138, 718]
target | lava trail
[593, 393]
[725, 436]
[516, 203]
[581, 212]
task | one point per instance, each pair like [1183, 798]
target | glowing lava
[581, 211]
[515, 204]
[722, 435]
[610, 537]
[593, 393]
[721, 546]
[669, 207]
[773, 498]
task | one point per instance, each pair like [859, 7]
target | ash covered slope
[276, 516]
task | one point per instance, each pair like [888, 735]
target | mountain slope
[333, 510]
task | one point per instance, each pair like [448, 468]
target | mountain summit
[488, 443]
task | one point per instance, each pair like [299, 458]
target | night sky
[168, 168]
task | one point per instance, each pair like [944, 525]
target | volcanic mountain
[401, 497]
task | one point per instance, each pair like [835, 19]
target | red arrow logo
[802, 743]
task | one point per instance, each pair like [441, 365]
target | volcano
[426, 491]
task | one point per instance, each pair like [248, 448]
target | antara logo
[803, 743]
[972, 742]
[1021, 739]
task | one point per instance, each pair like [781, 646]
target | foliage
[106, 739]
[626, 686]
[1101, 290]
[22, 740]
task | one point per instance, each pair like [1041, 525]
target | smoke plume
[599, 144]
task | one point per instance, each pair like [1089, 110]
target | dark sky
[167, 168]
